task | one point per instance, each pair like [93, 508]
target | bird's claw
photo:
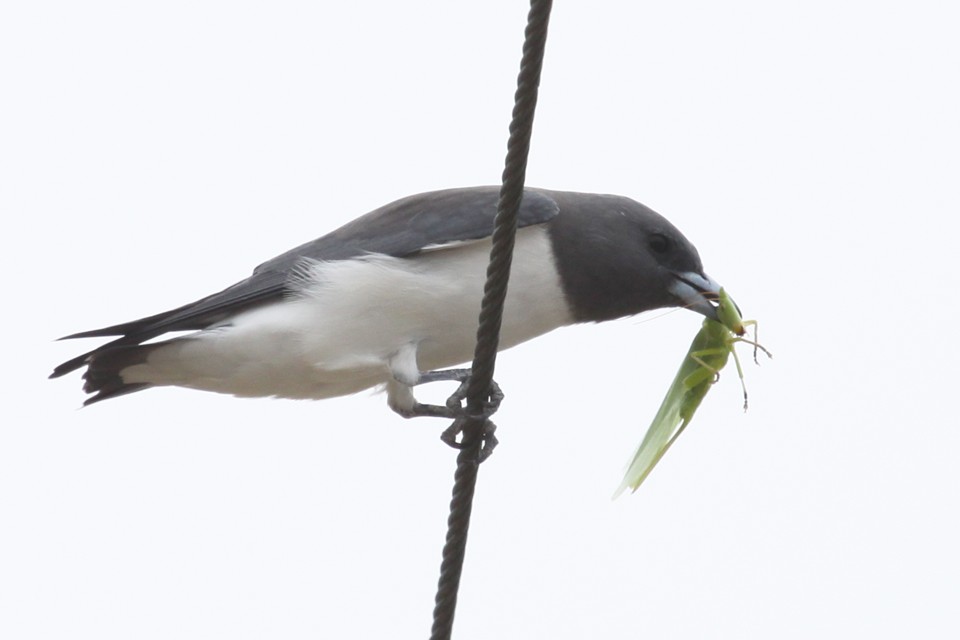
[454, 406]
[490, 405]
[488, 438]
[456, 410]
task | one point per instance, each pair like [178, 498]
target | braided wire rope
[491, 315]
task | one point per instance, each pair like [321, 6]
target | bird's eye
[660, 243]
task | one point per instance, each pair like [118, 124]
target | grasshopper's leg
[736, 359]
[727, 349]
[706, 370]
[756, 337]
[706, 367]
[743, 384]
[698, 377]
[755, 342]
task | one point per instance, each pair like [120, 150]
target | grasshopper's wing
[671, 418]
[660, 434]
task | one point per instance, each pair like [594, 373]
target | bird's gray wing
[405, 227]
[399, 229]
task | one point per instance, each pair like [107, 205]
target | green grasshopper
[708, 354]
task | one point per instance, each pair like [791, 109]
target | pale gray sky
[153, 153]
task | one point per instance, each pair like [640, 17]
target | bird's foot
[488, 439]
[456, 410]
[454, 407]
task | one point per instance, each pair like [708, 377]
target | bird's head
[619, 258]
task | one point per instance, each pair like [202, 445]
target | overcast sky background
[152, 153]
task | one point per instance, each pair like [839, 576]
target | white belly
[338, 334]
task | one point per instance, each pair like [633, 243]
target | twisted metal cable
[491, 316]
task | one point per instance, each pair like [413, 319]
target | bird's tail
[104, 366]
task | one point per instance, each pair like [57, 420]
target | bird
[391, 299]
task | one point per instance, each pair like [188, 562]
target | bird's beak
[696, 291]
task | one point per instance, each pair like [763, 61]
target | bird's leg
[454, 407]
[406, 375]
[456, 399]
